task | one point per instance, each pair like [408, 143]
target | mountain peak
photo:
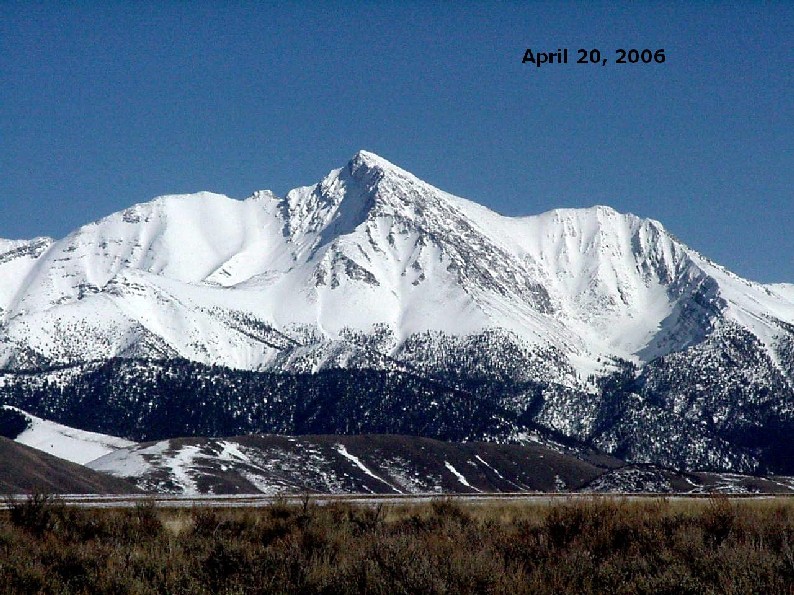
[371, 168]
[371, 160]
[345, 197]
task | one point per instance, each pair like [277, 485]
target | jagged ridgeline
[374, 302]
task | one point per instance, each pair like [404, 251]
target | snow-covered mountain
[372, 249]
[372, 268]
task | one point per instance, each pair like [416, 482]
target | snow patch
[180, 464]
[67, 443]
[459, 476]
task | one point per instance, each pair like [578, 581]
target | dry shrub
[38, 514]
[446, 546]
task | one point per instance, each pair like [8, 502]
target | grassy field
[580, 546]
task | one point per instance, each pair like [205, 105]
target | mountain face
[584, 324]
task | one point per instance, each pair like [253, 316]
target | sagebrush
[592, 546]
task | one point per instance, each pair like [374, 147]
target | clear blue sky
[103, 105]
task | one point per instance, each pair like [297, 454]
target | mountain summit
[372, 268]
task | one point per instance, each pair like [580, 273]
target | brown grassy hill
[392, 464]
[26, 470]
[374, 463]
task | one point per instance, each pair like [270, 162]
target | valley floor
[473, 501]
